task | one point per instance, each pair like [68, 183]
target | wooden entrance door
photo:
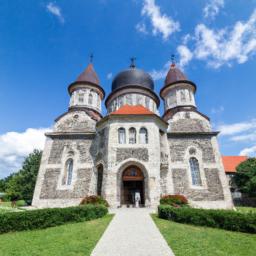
[132, 182]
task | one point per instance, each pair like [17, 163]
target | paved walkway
[132, 232]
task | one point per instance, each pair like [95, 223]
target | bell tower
[86, 91]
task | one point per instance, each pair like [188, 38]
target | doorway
[132, 185]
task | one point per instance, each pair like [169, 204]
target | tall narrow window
[90, 99]
[147, 101]
[132, 136]
[121, 136]
[69, 171]
[99, 180]
[143, 137]
[80, 97]
[195, 172]
[129, 99]
[183, 95]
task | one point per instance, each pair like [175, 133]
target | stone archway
[132, 177]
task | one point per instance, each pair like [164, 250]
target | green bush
[224, 219]
[44, 218]
[174, 200]
[94, 200]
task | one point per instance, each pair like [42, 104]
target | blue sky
[44, 45]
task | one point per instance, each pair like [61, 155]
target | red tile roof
[132, 110]
[231, 162]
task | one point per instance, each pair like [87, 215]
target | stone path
[132, 232]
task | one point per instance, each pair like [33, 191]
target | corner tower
[86, 92]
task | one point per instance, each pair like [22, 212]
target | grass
[6, 206]
[246, 209]
[71, 239]
[196, 241]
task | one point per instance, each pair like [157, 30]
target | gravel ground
[132, 232]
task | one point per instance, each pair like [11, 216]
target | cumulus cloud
[232, 129]
[15, 146]
[241, 133]
[160, 22]
[250, 151]
[185, 55]
[212, 8]
[161, 73]
[56, 11]
[223, 46]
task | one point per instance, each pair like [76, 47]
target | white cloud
[231, 129]
[14, 146]
[161, 23]
[212, 8]
[109, 76]
[250, 151]
[185, 55]
[161, 73]
[56, 11]
[141, 27]
[224, 46]
[217, 110]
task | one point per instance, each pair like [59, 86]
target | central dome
[133, 76]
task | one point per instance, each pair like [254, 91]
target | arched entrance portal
[132, 183]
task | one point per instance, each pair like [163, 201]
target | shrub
[225, 219]
[174, 200]
[94, 200]
[44, 218]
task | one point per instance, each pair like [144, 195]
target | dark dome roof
[133, 76]
[174, 75]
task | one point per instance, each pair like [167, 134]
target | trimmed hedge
[224, 219]
[44, 218]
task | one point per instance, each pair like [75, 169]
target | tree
[22, 184]
[245, 177]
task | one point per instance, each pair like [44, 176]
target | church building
[133, 149]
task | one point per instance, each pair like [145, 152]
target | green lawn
[6, 206]
[191, 240]
[71, 239]
[246, 209]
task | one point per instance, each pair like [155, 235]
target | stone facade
[176, 154]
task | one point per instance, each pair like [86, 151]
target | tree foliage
[245, 177]
[21, 185]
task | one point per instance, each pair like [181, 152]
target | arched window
[143, 137]
[121, 136]
[195, 172]
[132, 136]
[99, 180]
[90, 98]
[69, 172]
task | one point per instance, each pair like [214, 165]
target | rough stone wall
[68, 143]
[178, 147]
[125, 153]
[81, 187]
[213, 192]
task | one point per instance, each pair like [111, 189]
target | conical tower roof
[174, 75]
[89, 75]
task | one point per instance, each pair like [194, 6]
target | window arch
[90, 98]
[143, 136]
[81, 97]
[68, 172]
[195, 172]
[132, 135]
[121, 136]
[99, 180]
